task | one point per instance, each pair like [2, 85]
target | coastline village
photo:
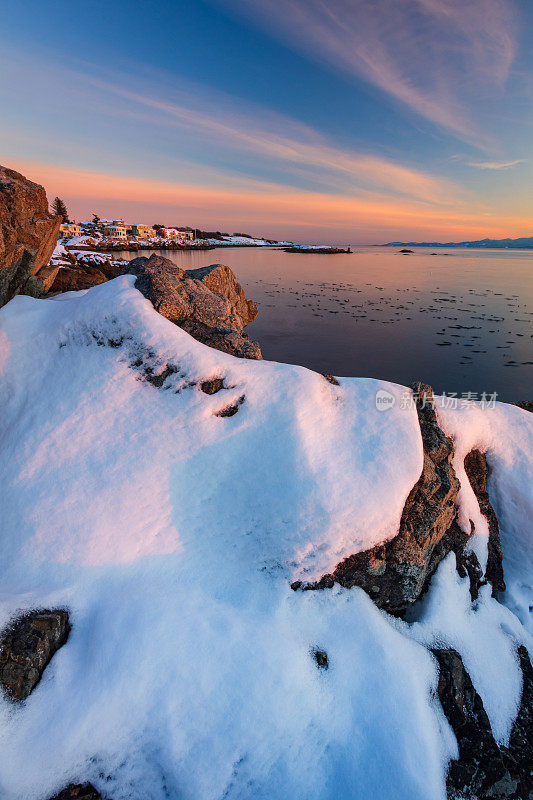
[119, 233]
[93, 251]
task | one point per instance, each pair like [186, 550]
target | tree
[157, 227]
[96, 219]
[60, 209]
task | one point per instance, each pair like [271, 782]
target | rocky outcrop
[208, 303]
[26, 648]
[28, 233]
[477, 471]
[79, 791]
[484, 770]
[396, 573]
[83, 276]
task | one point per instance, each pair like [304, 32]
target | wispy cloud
[228, 133]
[432, 55]
[496, 164]
[266, 135]
[269, 209]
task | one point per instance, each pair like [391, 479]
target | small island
[315, 249]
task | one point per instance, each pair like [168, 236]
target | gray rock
[208, 303]
[26, 648]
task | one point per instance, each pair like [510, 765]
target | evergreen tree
[60, 209]
[96, 219]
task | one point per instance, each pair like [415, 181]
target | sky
[346, 122]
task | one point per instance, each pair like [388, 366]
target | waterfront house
[176, 233]
[116, 231]
[142, 231]
[69, 229]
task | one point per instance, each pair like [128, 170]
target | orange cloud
[269, 209]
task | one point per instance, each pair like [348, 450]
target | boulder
[26, 648]
[80, 277]
[396, 573]
[28, 232]
[208, 303]
[38, 285]
[477, 471]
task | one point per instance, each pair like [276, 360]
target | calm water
[461, 320]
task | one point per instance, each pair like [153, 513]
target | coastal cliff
[28, 235]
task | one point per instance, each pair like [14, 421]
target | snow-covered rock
[172, 534]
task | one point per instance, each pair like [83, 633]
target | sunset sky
[351, 121]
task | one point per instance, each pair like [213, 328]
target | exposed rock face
[483, 769]
[395, 574]
[28, 233]
[27, 646]
[480, 765]
[477, 471]
[80, 791]
[519, 754]
[208, 303]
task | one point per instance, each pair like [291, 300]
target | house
[69, 229]
[176, 233]
[142, 231]
[116, 231]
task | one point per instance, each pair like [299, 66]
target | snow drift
[172, 534]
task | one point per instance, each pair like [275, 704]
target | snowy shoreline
[172, 534]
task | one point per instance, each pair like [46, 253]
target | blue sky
[354, 122]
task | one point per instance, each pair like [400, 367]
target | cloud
[283, 140]
[268, 209]
[496, 164]
[432, 55]
[220, 131]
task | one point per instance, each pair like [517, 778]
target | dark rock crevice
[483, 769]
[477, 472]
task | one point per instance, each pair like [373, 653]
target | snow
[172, 535]
[244, 240]
[81, 240]
[505, 433]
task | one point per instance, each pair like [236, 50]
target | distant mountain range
[501, 244]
